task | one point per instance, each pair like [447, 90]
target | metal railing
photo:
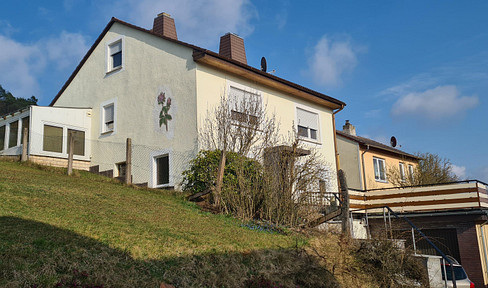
[387, 212]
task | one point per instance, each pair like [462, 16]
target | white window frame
[377, 170]
[410, 171]
[108, 56]
[103, 129]
[403, 175]
[64, 150]
[319, 126]
[232, 84]
[154, 169]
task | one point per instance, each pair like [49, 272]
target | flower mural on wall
[164, 115]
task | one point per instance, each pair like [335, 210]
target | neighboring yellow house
[366, 162]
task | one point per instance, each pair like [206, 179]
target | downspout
[338, 165]
[364, 170]
[368, 232]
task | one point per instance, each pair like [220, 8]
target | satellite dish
[264, 66]
[393, 141]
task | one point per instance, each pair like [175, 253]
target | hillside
[90, 231]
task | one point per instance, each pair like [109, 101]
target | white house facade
[148, 86]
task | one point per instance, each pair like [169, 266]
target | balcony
[463, 195]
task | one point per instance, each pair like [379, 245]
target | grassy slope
[52, 225]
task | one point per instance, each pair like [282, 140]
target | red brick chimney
[164, 25]
[232, 46]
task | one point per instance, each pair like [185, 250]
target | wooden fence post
[71, 141]
[24, 145]
[346, 228]
[128, 162]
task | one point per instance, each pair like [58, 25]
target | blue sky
[417, 70]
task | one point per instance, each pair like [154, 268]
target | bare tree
[431, 169]
[268, 176]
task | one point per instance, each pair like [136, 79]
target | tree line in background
[9, 103]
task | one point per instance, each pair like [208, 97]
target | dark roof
[196, 53]
[375, 144]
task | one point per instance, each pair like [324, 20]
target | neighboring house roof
[209, 57]
[375, 144]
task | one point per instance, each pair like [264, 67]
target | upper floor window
[308, 124]
[115, 56]
[410, 171]
[401, 167]
[379, 169]
[245, 105]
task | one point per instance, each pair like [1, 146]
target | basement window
[379, 169]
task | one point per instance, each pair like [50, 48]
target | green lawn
[56, 229]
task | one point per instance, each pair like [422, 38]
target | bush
[242, 191]
[390, 266]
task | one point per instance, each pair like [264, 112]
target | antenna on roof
[393, 141]
[264, 66]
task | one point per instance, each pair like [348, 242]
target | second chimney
[349, 128]
[164, 25]
[232, 46]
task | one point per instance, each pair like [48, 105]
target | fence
[109, 158]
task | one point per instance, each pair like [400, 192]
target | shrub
[242, 191]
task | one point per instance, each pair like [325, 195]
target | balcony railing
[469, 194]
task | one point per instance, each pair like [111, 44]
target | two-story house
[149, 86]
[452, 215]
[366, 162]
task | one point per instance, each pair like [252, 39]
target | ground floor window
[53, 139]
[2, 137]
[162, 170]
[79, 142]
[13, 135]
[25, 124]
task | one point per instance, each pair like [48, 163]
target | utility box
[433, 267]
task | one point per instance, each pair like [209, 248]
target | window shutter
[307, 119]
[115, 48]
[238, 96]
[109, 113]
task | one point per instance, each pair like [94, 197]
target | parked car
[462, 280]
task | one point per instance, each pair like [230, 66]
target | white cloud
[19, 64]
[22, 64]
[437, 103]
[197, 22]
[459, 171]
[66, 50]
[331, 60]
